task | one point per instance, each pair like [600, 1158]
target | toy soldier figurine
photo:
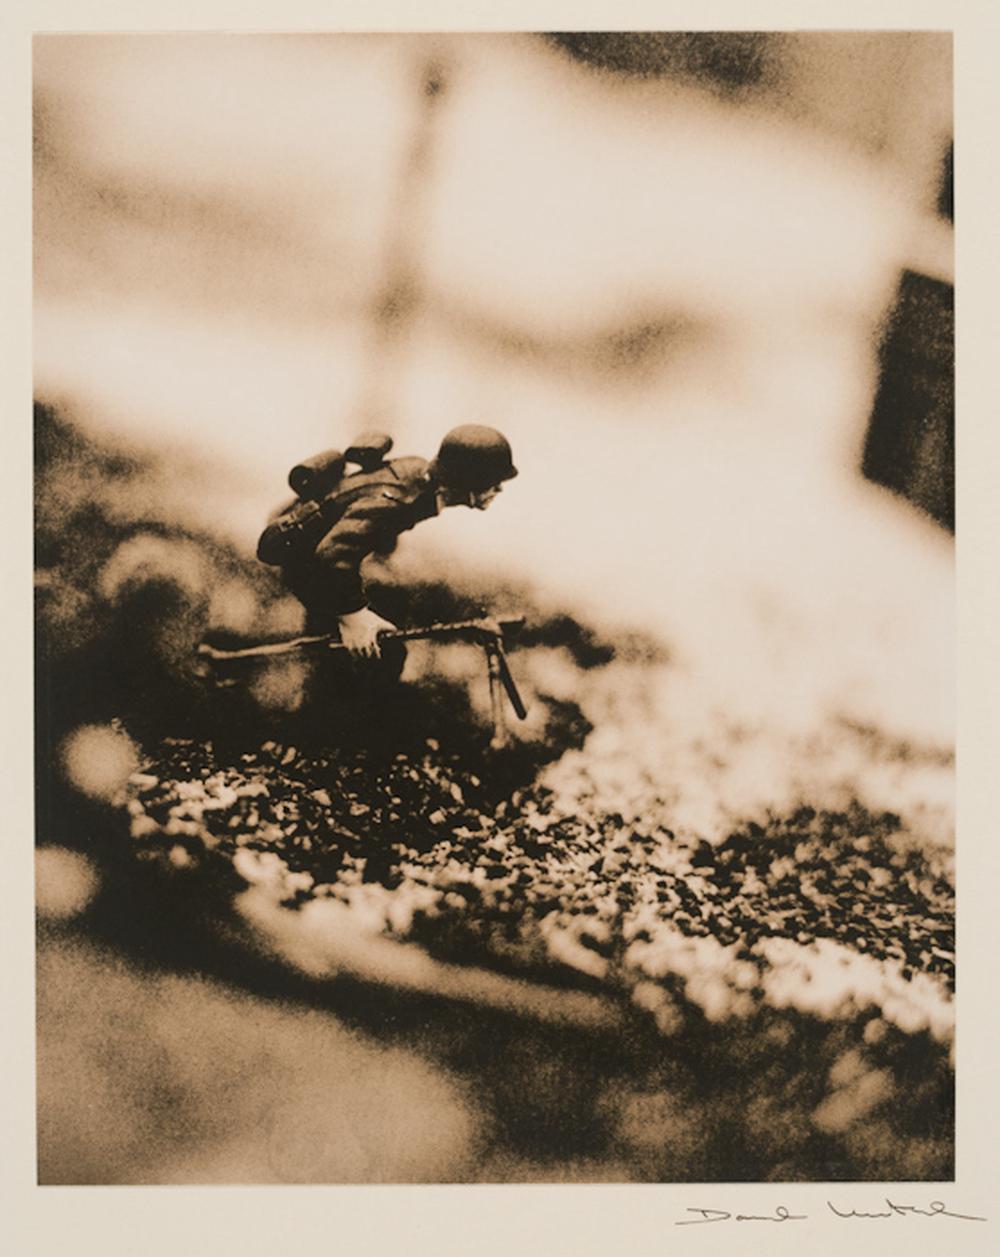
[355, 504]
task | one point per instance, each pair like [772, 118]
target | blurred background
[704, 284]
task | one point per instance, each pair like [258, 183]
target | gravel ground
[784, 995]
[815, 910]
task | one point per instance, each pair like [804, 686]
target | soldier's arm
[370, 523]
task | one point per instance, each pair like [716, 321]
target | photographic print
[495, 649]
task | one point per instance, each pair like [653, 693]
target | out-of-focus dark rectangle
[911, 439]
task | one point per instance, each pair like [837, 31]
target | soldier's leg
[350, 677]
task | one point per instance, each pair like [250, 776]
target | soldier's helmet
[473, 458]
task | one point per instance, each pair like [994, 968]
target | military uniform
[322, 539]
[320, 546]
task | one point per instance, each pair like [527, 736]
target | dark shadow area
[911, 438]
[946, 190]
[723, 60]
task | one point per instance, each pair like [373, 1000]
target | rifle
[487, 632]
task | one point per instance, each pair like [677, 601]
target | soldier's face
[480, 500]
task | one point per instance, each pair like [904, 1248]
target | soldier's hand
[359, 632]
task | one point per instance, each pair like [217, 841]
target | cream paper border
[563, 1221]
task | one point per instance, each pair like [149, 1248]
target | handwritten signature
[936, 1209]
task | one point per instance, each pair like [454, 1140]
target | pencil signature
[936, 1209]
[780, 1214]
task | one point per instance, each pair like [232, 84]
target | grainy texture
[630, 978]
[807, 963]
[422, 841]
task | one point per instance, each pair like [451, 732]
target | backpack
[317, 477]
[323, 490]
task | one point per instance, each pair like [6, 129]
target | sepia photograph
[495, 609]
